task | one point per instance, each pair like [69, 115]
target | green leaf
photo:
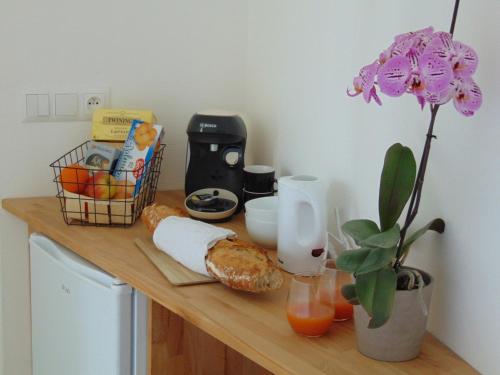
[396, 184]
[349, 291]
[386, 239]
[360, 230]
[384, 297]
[436, 225]
[365, 289]
[377, 259]
[375, 291]
[350, 260]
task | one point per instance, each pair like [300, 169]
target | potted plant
[392, 299]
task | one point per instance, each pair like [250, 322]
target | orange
[73, 178]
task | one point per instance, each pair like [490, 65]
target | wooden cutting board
[175, 272]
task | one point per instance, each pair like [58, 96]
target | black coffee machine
[216, 153]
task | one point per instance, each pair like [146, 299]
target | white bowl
[264, 233]
[265, 209]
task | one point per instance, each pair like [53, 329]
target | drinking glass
[309, 308]
[343, 309]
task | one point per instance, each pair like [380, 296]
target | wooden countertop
[254, 325]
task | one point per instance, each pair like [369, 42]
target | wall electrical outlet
[92, 100]
[93, 103]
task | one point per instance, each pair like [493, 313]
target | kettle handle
[318, 220]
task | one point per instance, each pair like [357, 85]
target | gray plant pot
[401, 337]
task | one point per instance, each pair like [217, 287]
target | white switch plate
[37, 106]
[64, 104]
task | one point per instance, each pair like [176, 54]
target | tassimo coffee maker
[216, 152]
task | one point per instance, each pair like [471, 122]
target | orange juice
[343, 309]
[313, 319]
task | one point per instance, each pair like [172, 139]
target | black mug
[259, 179]
[248, 195]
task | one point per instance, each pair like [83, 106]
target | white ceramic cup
[265, 208]
[262, 232]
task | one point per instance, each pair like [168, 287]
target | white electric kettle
[302, 235]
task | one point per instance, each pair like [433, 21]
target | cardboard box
[101, 155]
[113, 124]
[137, 152]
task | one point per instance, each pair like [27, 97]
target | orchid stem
[454, 18]
[417, 189]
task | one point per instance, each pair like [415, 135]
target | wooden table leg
[177, 347]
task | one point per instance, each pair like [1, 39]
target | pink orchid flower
[468, 97]
[421, 76]
[419, 34]
[427, 64]
[465, 60]
[404, 43]
[437, 76]
[394, 75]
[365, 83]
[462, 58]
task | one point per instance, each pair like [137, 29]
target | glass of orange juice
[309, 309]
[329, 271]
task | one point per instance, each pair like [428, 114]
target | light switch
[37, 105]
[43, 105]
[66, 104]
[31, 105]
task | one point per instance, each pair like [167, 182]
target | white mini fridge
[84, 321]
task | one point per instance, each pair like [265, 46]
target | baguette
[238, 264]
[152, 215]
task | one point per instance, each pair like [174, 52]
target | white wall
[288, 64]
[302, 55]
[174, 57]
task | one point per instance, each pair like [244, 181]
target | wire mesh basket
[77, 195]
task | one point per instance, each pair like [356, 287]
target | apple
[124, 189]
[101, 186]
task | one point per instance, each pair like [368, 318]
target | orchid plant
[435, 69]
